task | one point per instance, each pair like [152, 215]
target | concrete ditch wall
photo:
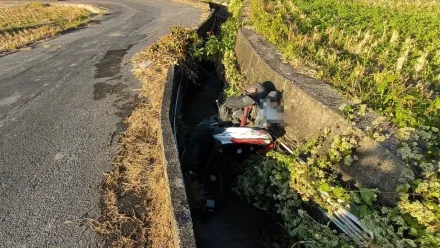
[182, 226]
[314, 105]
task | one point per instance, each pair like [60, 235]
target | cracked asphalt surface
[61, 110]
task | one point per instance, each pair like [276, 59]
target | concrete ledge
[183, 235]
[314, 105]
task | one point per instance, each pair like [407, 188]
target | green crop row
[384, 55]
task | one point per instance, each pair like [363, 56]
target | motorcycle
[238, 130]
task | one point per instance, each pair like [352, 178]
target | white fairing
[243, 133]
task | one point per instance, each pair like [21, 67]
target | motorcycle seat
[235, 102]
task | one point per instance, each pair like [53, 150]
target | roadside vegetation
[135, 200]
[221, 50]
[283, 184]
[23, 24]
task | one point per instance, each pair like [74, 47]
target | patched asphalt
[62, 106]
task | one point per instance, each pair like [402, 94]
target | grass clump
[135, 200]
[382, 53]
[23, 24]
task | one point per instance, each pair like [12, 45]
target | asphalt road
[61, 110]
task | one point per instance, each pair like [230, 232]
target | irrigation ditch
[235, 223]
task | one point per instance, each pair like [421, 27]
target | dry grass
[134, 196]
[23, 24]
[135, 200]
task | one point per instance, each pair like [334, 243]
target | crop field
[23, 24]
[382, 53]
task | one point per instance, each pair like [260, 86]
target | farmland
[381, 53]
[23, 24]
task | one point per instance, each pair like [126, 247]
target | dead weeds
[23, 24]
[135, 199]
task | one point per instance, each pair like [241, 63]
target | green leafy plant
[284, 184]
[373, 51]
[222, 49]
